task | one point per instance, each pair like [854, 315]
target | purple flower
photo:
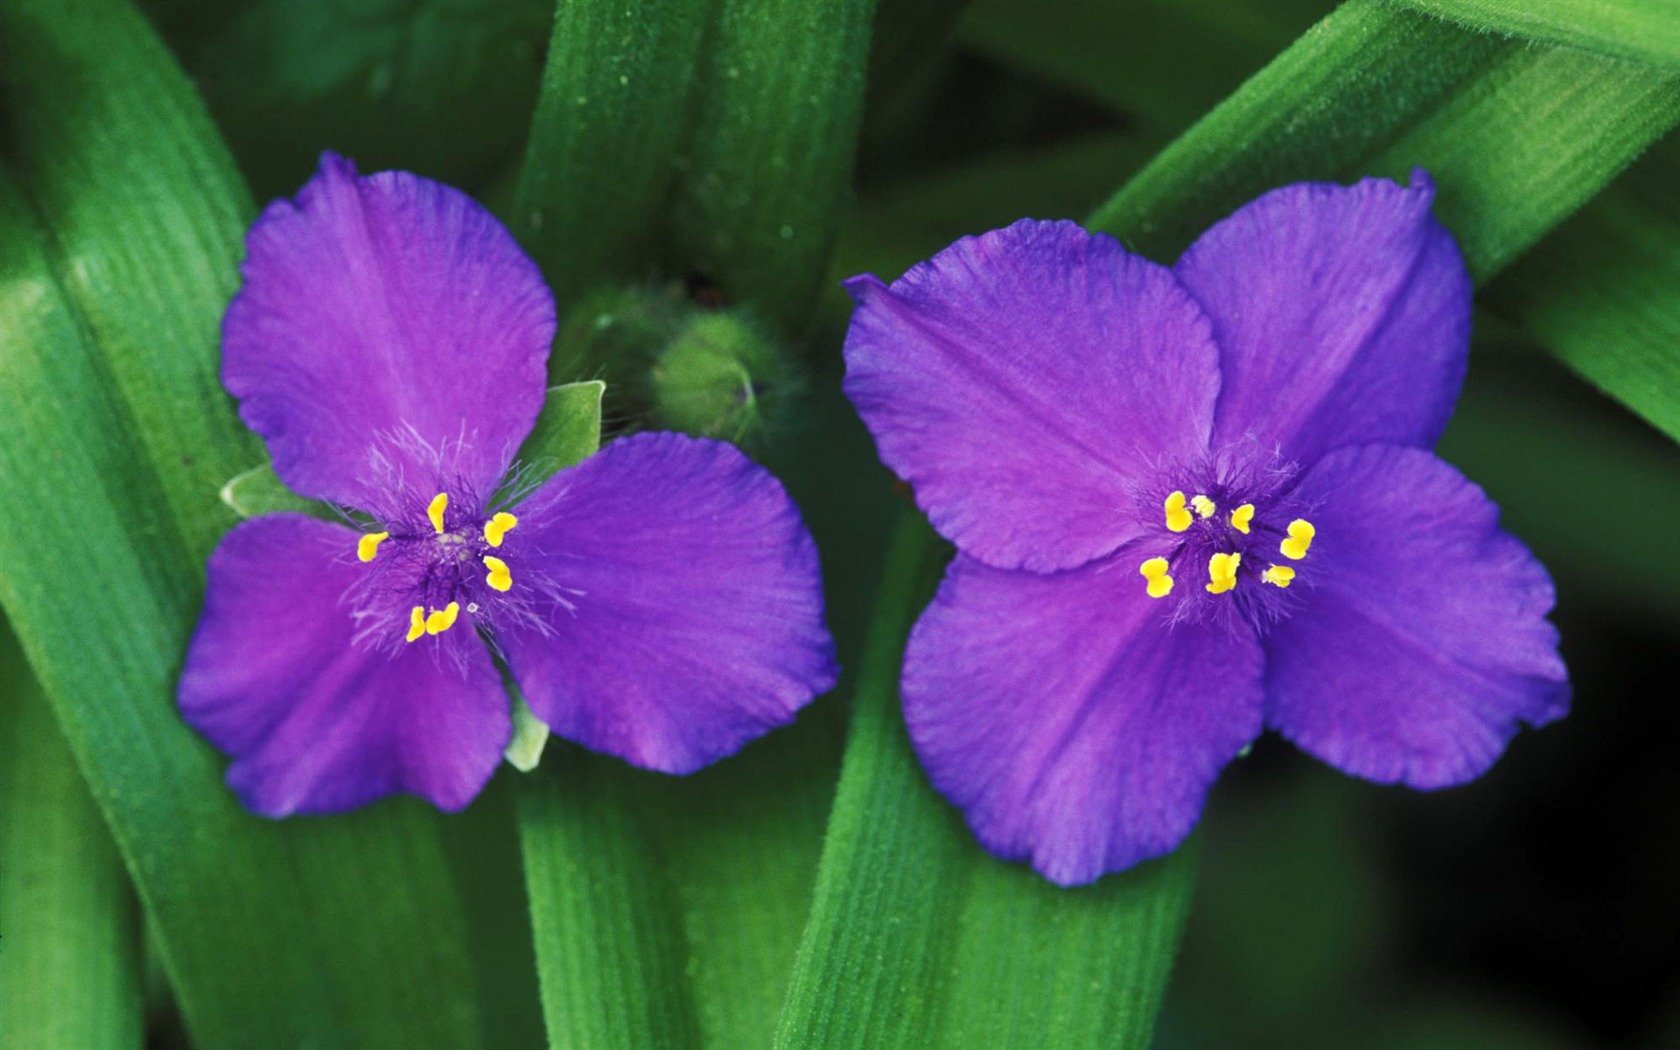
[1190, 504]
[659, 601]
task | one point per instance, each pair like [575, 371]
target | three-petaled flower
[1192, 503]
[659, 601]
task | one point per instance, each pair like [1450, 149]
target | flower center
[1235, 529]
[441, 569]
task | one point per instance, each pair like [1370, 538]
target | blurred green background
[1534, 908]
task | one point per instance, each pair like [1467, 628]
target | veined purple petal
[1067, 720]
[1025, 381]
[1421, 641]
[390, 313]
[684, 599]
[314, 723]
[1342, 316]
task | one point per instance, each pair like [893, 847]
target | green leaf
[1643, 30]
[781, 95]
[688, 892]
[1378, 90]
[120, 233]
[70, 973]
[611, 122]
[567, 431]
[442, 89]
[727, 160]
[610, 953]
[918, 938]
[1599, 293]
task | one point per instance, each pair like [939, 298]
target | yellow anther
[368, 545]
[442, 619]
[1301, 535]
[500, 578]
[1222, 572]
[1204, 506]
[1155, 571]
[435, 509]
[498, 526]
[1178, 519]
[1278, 576]
[1241, 517]
[416, 622]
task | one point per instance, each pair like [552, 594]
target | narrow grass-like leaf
[1602, 293]
[762, 132]
[1516, 135]
[918, 938]
[1642, 30]
[611, 122]
[781, 96]
[70, 972]
[609, 955]
[120, 235]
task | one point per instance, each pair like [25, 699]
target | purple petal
[386, 312]
[314, 723]
[685, 604]
[1067, 720]
[1421, 642]
[1342, 316]
[1025, 382]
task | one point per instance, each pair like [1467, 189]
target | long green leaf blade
[1642, 30]
[1415, 91]
[120, 238]
[611, 122]
[781, 98]
[609, 954]
[70, 973]
[1600, 292]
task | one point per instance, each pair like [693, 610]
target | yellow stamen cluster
[497, 527]
[498, 575]
[1155, 571]
[368, 545]
[1301, 535]
[1223, 567]
[1222, 572]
